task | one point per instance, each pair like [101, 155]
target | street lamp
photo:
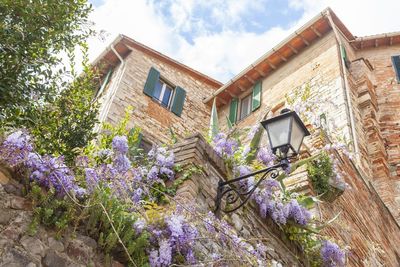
[285, 133]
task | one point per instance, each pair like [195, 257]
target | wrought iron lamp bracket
[241, 193]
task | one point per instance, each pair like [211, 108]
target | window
[173, 98]
[396, 66]
[245, 106]
[248, 104]
[163, 93]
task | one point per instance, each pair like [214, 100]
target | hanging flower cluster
[16, 148]
[162, 162]
[332, 255]
[223, 146]
[47, 171]
[227, 236]
[177, 238]
[266, 156]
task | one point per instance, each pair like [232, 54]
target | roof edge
[268, 54]
[135, 44]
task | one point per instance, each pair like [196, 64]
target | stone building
[166, 95]
[357, 77]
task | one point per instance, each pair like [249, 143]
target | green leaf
[214, 128]
[229, 123]
[254, 144]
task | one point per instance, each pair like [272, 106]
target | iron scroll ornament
[241, 193]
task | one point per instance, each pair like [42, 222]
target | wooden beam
[279, 54]
[316, 31]
[241, 88]
[262, 74]
[222, 101]
[250, 79]
[231, 94]
[302, 38]
[293, 49]
[271, 65]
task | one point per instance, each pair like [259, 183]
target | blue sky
[222, 37]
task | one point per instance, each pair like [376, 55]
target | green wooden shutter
[179, 100]
[151, 81]
[396, 66]
[233, 110]
[105, 82]
[256, 103]
[343, 53]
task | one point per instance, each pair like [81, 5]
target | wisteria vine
[272, 201]
[175, 234]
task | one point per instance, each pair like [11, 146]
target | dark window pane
[157, 90]
[396, 65]
[245, 107]
[167, 96]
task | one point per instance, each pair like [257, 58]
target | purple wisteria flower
[121, 163]
[242, 170]
[120, 144]
[297, 212]
[266, 156]
[332, 255]
[152, 175]
[162, 164]
[92, 179]
[52, 172]
[162, 256]
[139, 225]
[16, 148]
[137, 195]
[181, 235]
[224, 146]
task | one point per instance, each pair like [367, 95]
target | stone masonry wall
[364, 224]
[154, 119]
[200, 192]
[20, 249]
[376, 92]
[317, 66]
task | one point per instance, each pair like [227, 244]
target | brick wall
[154, 119]
[317, 66]
[200, 192]
[365, 224]
[377, 93]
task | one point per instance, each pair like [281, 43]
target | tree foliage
[38, 92]
[67, 123]
[34, 35]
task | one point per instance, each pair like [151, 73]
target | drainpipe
[346, 87]
[109, 98]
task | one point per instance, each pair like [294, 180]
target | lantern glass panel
[278, 132]
[297, 136]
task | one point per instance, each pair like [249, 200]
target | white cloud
[222, 48]
[362, 17]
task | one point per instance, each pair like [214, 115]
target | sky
[222, 37]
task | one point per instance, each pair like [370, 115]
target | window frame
[396, 70]
[249, 107]
[159, 100]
